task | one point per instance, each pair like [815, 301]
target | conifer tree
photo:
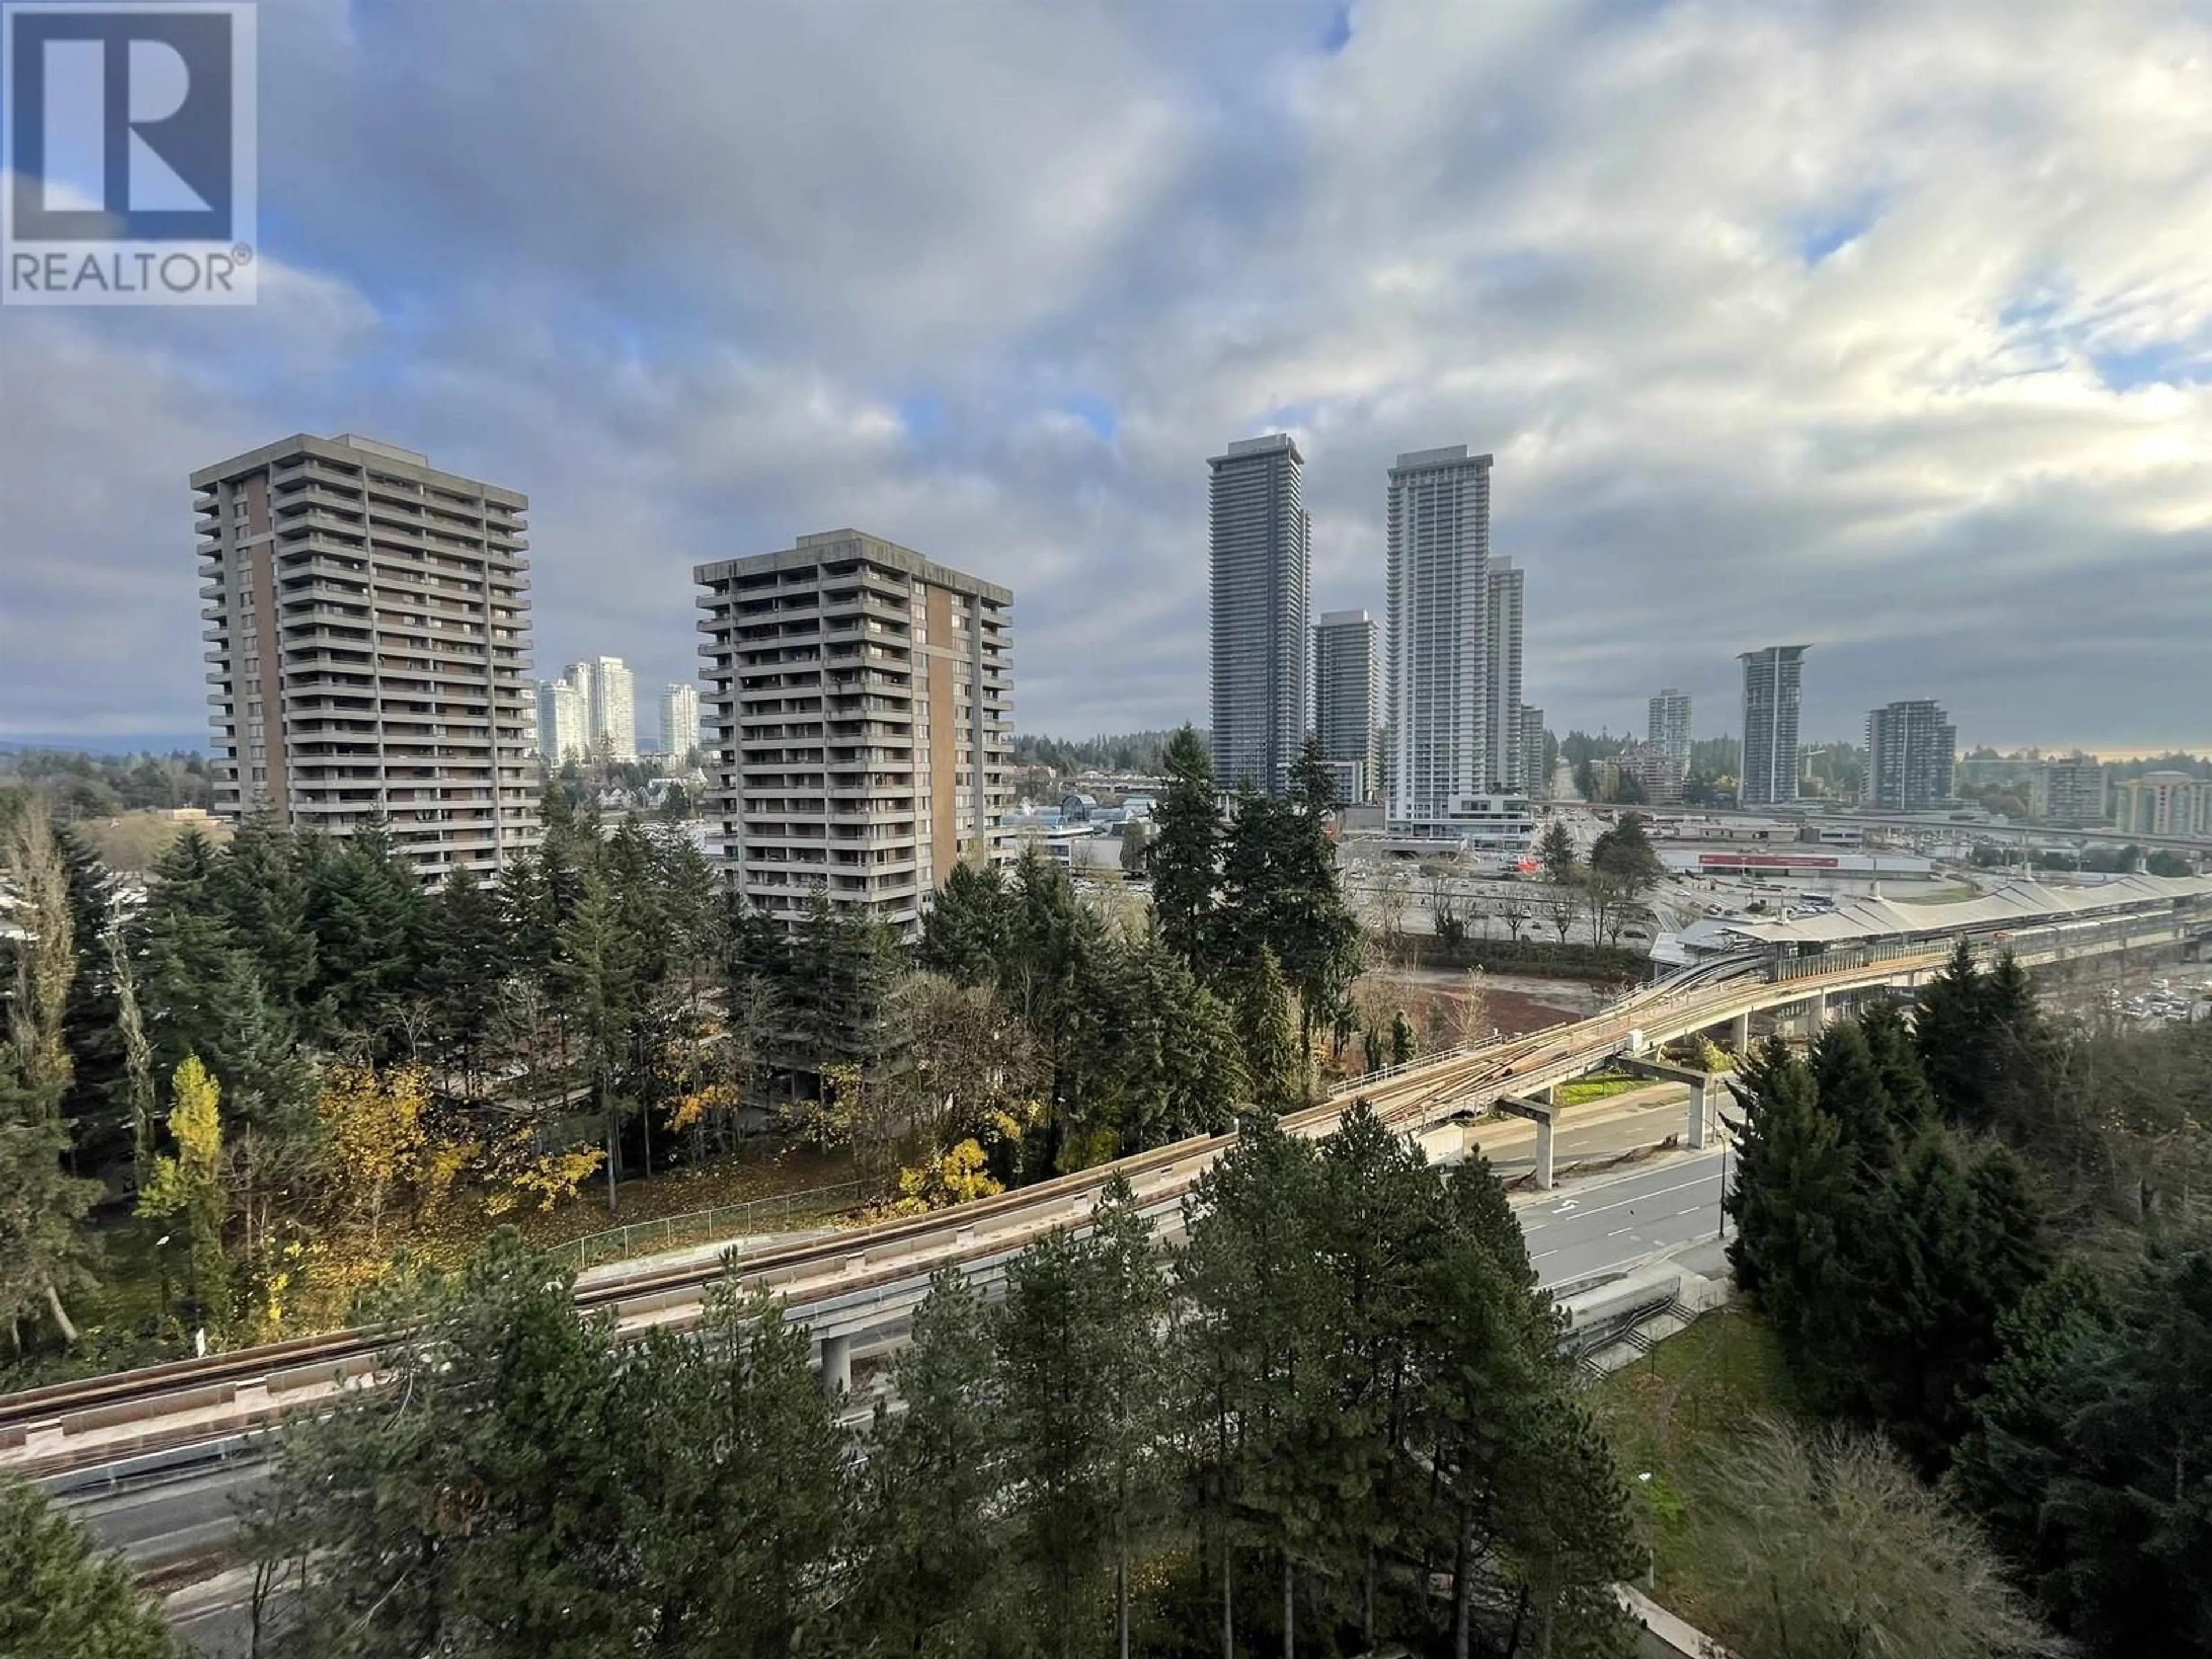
[1850, 1091]
[257, 885]
[745, 1516]
[1950, 1028]
[60, 1598]
[927, 1553]
[1056, 1424]
[468, 950]
[488, 1514]
[42, 1251]
[1792, 1199]
[598, 984]
[1186, 856]
[1128, 1304]
[964, 932]
[1254, 1308]
[1274, 1064]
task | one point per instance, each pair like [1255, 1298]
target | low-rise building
[2177, 804]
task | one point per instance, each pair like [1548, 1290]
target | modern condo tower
[1668, 727]
[609, 691]
[368, 631]
[1347, 696]
[1501, 692]
[560, 723]
[1440, 678]
[859, 717]
[679, 722]
[1911, 748]
[1771, 694]
[1262, 572]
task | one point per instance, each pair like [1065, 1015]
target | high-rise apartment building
[2175, 804]
[679, 721]
[859, 701]
[1347, 695]
[2068, 790]
[1773, 688]
[1911, 748]
[1262, 565]
[610, 692]
[560, 723]
[1501, 676]
[1536, 777]
[1668, 727]
[1440, 678]
[369, 627]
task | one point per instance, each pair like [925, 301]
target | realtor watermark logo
[129, 150]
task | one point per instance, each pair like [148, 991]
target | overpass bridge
[849, 1287]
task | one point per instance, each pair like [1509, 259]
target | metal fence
[779, 1211]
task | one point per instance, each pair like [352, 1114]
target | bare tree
[1445, 918]
[1516, 912]
[1391, 889]
[1562, 904]
[1832, 1547]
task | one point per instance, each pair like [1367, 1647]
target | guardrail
[75, 1426]
[697, 1226]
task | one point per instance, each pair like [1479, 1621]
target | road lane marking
[1616, 1232]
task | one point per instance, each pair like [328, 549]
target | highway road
[1609, 1224]
[1580, 1231]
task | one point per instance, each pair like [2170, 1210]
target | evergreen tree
[1256, 1310]
[927, 1554]
[1401, 1038]
[1951, 1250]
[1129, 1305]
[369, 920]
[2011, 1458]
[743, 1514]
[842, 965]
[1056, 1424]
[2089, 1453]
[598, 972]
[1793, 1200]
[42, 1251]
[1556, 851]
[1385, 1220]
[257, 886]
[1950, 1028]
[484, 1513]
[60, 1598]
[1851, 1089]
[1186, 856]
[468, 941]
[1889, 1044]
[1313, 928]
[1274, 1063]
[964, 933]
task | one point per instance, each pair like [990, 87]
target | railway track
[112, 1420]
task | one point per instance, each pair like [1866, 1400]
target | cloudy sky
[1885, 327]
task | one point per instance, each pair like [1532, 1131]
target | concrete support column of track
[837, 1365]
[1820, 1014]
[1539, 1113]
[1740, 1035]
